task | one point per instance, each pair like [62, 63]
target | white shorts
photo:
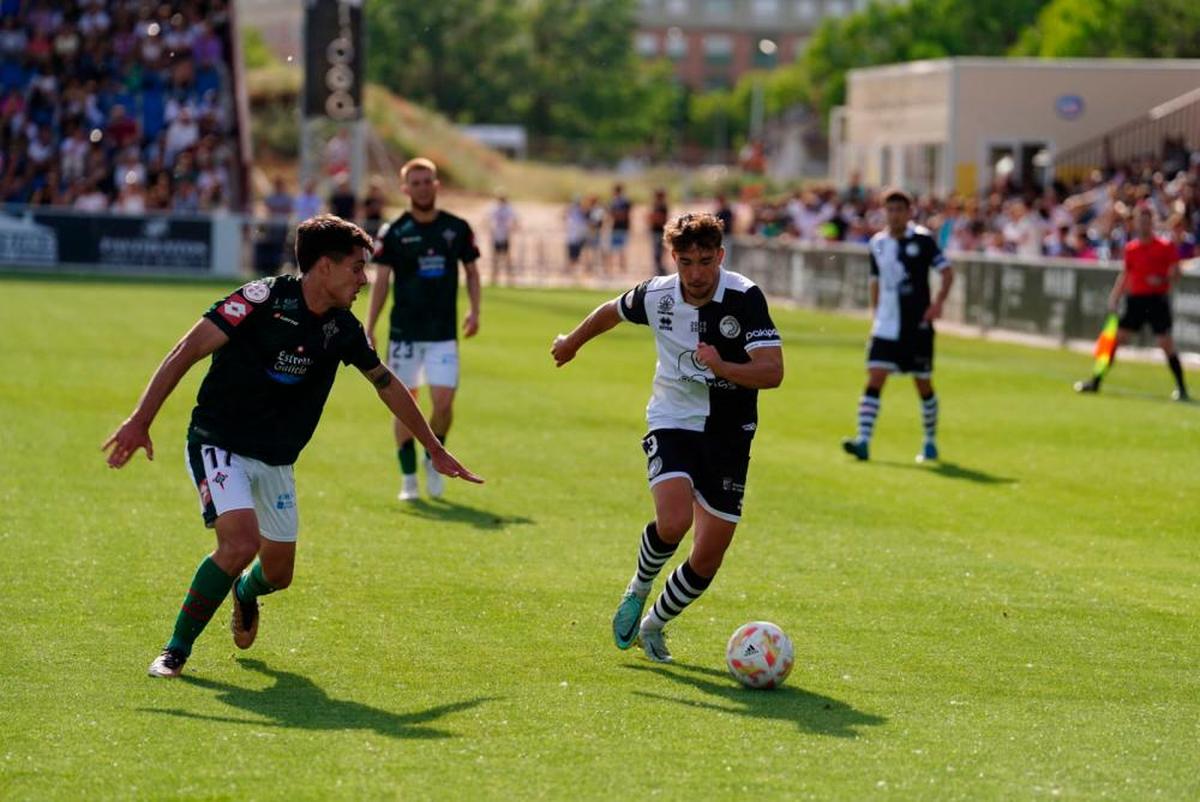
[228, 481]
[431, 363]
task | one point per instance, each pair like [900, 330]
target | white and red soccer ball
[759, 655]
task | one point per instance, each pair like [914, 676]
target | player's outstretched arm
[399, 400]
[602, 318]
[134, 433]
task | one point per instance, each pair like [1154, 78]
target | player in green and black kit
[423, 248]
[276, 345]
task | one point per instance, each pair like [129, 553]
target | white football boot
[409, 491]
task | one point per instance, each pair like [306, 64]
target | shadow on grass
[295, 702]
[1144, 395]
[811, 712]
[951, 470]
[453, 512]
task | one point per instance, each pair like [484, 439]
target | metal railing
[1061, 299]
[1143, 137]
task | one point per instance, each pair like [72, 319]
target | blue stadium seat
[207, 78]
[154, 103]
[13, 75]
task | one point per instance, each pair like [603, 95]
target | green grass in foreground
[1017, 623]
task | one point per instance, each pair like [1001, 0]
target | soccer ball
[759, 655]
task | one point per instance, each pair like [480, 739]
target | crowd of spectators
[282, 209]
[1090, 219]
[117, 105]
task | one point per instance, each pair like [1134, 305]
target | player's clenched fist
[562, 350]
[707, 356]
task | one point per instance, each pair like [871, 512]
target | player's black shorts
[716, 464]
[1140, 310]
[500, 247]
[911, 353]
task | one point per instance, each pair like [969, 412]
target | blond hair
[419, 163]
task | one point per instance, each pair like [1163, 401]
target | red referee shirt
[1148, 266]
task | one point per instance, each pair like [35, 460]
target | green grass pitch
[1020, 623]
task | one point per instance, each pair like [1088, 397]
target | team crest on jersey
[730, 327]
[330, 329]
[912, 249]
[449, 235]
[666, 305]
[256, 292]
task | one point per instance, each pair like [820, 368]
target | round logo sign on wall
[1069, 107]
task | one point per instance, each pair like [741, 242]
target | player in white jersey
[717, 346]
[502, 222]
[902, 332]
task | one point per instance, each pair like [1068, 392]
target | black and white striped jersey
[902, 268]
[735, 322]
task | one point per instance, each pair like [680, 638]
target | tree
[460, 56]
[565, 69]
[885, 33]
[589, 84]
[1109, 28]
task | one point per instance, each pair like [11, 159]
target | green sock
[407, 454]
[209, 588]
[254, 584]
[441, 439]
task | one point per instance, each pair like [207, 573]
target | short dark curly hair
[327, 235]
[694, 230]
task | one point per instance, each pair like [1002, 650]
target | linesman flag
[1106, 346]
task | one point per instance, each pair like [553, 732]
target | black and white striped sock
[652, 556]
[868, 411]
[929, 417]
[683, 587]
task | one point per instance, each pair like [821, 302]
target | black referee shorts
[1152, 310]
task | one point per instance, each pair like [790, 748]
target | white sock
[638, 587]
